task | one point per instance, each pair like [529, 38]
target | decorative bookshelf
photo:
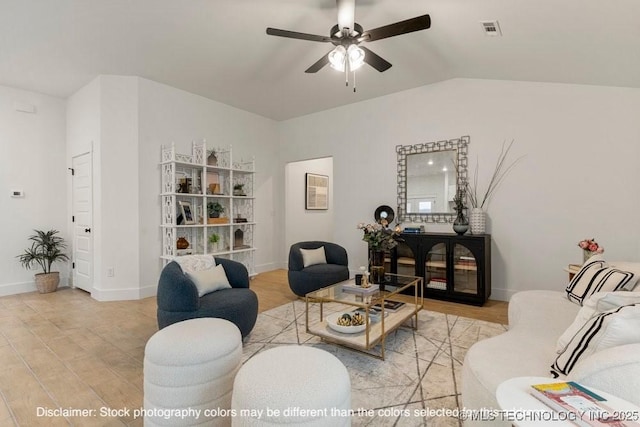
[196, 185]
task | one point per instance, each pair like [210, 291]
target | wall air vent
[491, 28]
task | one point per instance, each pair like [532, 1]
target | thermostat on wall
[17, 193]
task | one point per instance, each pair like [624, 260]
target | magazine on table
[388, 306]
[589, 409]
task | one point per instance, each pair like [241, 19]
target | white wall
[302, 224]
[32, 160]
[170, 115]
[579, 178]
[102, 118]
[119, 191]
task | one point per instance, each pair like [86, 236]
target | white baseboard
[501, 294]
[119, 294]
[24, 287]
[262, 268]
[17, 288]
[148, 291]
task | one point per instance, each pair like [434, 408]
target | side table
[572, 269]
[514, 395]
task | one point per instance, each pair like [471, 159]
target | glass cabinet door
[465, 270]
[435, 269]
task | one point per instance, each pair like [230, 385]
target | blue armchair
[303, 280]
[178, 297]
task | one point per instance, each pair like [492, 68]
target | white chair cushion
[210, 280]
[313, 256]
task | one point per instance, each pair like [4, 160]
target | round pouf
[295, 385]
[189, 369]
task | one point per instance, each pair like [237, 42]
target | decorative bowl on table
[338, 322]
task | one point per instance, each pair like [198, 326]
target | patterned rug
[417, 384]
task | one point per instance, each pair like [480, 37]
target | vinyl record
[384, 212]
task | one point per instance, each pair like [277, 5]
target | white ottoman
[295, 385]
[189, 368]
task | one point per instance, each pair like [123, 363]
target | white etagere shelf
[191, 182]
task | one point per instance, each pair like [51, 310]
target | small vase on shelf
[460, 224]
[587, 254]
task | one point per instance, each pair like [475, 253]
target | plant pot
[47, 282]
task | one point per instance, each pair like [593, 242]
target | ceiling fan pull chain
[354, 82]
[346, 73]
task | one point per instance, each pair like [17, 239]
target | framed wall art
[186, 213]
[316, 192]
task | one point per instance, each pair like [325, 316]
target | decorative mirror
[428, 179]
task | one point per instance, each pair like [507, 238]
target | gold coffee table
[377, 324]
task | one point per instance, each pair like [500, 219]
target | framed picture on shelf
[187, 213]
[316, 192]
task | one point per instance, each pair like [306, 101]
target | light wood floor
[66, 350]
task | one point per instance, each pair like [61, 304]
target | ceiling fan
[347, 36]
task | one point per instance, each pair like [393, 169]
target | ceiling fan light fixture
[337, 58]
[356, 57]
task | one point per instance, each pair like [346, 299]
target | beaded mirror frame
[460, 145]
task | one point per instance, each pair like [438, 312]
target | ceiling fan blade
[318, 65]
[375, 61]
[296, 35]
[403, 27]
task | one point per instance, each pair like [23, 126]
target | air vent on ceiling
[491, 28]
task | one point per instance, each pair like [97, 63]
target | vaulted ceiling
[219, 48]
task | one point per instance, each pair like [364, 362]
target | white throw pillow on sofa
[313, 256]
[605, 330]
[596, 276]
[210, 280]
[596, 303]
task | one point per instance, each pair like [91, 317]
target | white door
[82, 218]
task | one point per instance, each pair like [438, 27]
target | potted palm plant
[46, 248]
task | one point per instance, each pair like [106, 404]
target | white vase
[478, 221]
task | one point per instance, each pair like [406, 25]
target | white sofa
[536, 320]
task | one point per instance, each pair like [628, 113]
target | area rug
[417, 384]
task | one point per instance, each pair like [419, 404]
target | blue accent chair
[304, 280]
[178, 297]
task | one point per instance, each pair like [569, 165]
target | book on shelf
[388, 306]
[584, 407]
[437, 283]
[352, 288]
[411, 230]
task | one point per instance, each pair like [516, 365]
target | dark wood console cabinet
[454, 268]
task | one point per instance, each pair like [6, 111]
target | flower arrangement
[378, 236]
[459, 200]
[591, 245]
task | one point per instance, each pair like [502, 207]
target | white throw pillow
[596, 276]
[596, 303]
[196, 262]
[210, 280]
[313, 256]
[605, 330]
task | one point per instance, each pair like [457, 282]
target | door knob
[87, 230]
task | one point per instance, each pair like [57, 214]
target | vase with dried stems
[479, 200]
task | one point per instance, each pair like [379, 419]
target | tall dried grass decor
[479, 200]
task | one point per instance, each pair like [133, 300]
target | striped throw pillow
[596, 276]
[608, 329]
